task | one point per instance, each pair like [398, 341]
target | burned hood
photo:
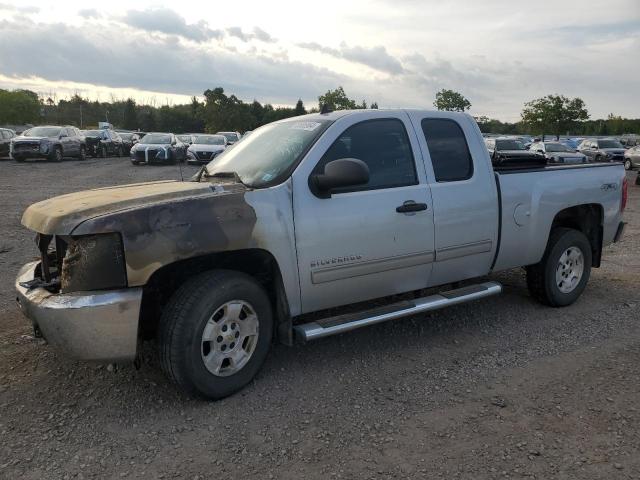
[61, 215]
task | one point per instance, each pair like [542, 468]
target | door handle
[411, 206]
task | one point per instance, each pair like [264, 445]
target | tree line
[218, 111]
[552, 114]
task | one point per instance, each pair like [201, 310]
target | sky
[398, 53]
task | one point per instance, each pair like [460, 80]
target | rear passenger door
[464, 193]
[73, 141]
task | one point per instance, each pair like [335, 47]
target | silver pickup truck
[289, 235]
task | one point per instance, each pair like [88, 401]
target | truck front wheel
[562, 274]
[215, 333]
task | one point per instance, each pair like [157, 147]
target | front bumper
[98, 325]
[30, 155]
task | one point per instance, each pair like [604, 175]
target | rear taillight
[623, 202]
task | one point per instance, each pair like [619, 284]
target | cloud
[375, 57]
[167, 21]
[263, 36]
[257, 34]
[22, 9]
[70, 56]
[89, 13]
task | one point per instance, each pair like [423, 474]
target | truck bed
[530, 198]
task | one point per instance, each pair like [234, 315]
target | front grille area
[151, 153]
[140, 156]
[205, 155]
[26, 147]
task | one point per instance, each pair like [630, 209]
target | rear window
[448, 149]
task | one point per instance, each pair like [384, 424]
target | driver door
[361, 242]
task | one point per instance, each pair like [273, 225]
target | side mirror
[344, 172]
[594, 147]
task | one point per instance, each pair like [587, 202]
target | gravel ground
[501, 388]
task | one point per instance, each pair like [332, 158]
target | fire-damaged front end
[99, 248]
[77, 297]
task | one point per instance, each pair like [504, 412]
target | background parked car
[104, 143]
[232, 137]
[158, 148]
[205, 148]
[185, 138]
[556, 152]
[129, 139]
[629, 140]
[509, 151]
[602, 150]
[569, 143]
[49, 142]
[5, 142]
[632, 158]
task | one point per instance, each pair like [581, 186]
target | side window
[6, 134]
[448, 149]
[383, 145]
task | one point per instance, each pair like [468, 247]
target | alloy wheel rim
[570, 269]
[229, 338]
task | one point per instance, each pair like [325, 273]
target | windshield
[184, 138]
[42, 132]
[509, 145]
[157, 138]
[126, 136]
[209, 140]
[555, 147]
[92, 133]
[268, 152]
[609, 144]
[232, 137]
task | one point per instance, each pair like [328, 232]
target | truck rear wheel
[215, 333]
[562, 274]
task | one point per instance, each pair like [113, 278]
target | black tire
[627, 164]
[83, 154]
[103, 152]
[134, 162]
[541, 278]
[182, 324]
[119, 153]
[637, 178]
[57, 155]
[598, 158]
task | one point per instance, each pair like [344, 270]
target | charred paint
[155, 235]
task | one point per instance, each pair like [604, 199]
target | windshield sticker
[308, 126]
[267, 176]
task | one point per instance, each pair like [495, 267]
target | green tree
[130, 117]
[554, 113]
[19, 107]
[299, 110]
[337, 100]
[451, 100]
[374, 106]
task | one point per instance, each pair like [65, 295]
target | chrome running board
[344, 323]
